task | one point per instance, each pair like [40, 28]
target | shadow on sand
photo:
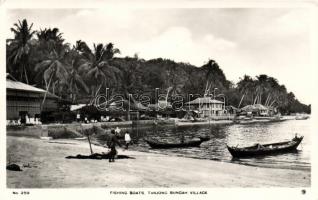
[98, 156]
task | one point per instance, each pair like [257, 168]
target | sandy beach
[45, 166]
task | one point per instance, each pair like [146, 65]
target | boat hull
[277, 148]
[162, 145]
[302, 118]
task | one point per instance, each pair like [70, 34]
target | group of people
[113, 141]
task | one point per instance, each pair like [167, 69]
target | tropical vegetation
[80, 72]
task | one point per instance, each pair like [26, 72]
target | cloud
[243, 41]
[177, 43]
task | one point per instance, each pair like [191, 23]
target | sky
[252, 41]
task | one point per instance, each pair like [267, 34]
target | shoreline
[43, 130]
[48, 168]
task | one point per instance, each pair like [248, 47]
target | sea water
[237, 135]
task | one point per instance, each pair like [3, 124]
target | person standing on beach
[112, 145]
[78, 117]
[127, 139]
[117, 131]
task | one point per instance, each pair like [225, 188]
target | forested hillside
[79, 72]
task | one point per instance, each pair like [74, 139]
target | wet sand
[46, 167]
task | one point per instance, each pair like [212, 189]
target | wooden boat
[165, 144]
[204, 138]
[244, 120]
[302, 117]
[277, 119]
[266, 149]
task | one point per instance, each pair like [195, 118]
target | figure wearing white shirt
[127, 139]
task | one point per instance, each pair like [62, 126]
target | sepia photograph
[159, 100]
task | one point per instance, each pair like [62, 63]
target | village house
[206, 106]
[24, 102]
[256, 110]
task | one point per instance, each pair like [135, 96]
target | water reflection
[233, 135]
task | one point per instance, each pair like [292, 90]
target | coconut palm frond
[78, 80]
[47, 75]
[40, 67]
[84, 68]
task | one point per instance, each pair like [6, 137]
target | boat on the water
[266, 149]
[156, 144]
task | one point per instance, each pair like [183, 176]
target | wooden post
[137, 124]
[89, 140]
[90, 145]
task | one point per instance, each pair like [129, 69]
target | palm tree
[214, 76]
[76, 82]
[20, 47]
[110, 51]
[50, 39]
[246, 87]
[95, 66]
[52, 69]
[173, 79]
[50, 34]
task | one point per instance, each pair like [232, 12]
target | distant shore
[45, 166]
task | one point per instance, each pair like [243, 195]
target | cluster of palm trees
[43, 59]
[263, 90]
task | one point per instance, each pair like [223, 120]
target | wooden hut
[24, 100]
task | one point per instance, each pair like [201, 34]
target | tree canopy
[81, 72]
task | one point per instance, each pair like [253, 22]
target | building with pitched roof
[25, 100]
[256, 109]
[206, 106]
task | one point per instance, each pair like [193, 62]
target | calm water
[242, 135]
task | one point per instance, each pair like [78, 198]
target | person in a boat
[296, 138]
[259, 146]
[113, 141]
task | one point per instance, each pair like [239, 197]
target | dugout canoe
[266, 149]
[156, 144]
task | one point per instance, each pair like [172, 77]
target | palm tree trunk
[93, 91]
[241, 101]
[267, 99]
[100, 86]
[53, 88]
[25, 74]
[47, 88]
[255, 99]
[272, 103]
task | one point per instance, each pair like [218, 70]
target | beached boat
[156, 144]
[243, 120]
[204, 138]
[277, 119]
[259, 120]
[266, 149]
[301, 117]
